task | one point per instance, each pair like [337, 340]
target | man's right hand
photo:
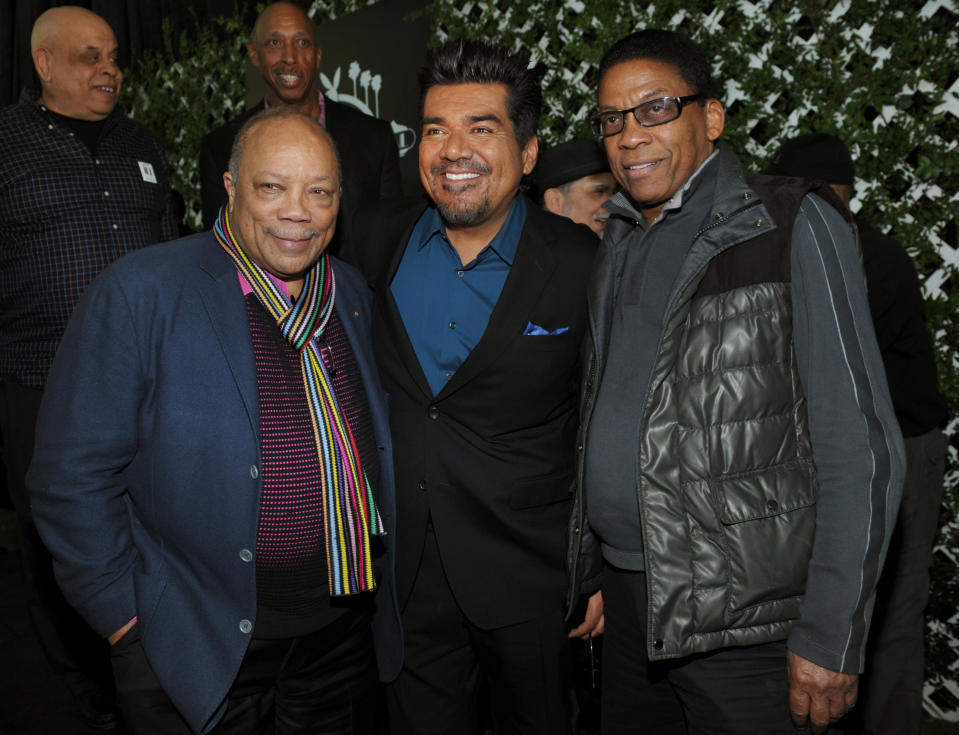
[818, 697]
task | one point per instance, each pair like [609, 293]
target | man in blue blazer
[217, 492]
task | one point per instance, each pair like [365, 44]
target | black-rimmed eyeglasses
[649, 114]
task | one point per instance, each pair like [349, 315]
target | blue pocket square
[535, 330]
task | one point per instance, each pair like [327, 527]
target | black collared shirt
[65, 214]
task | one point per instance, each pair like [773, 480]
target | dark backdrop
[137, 24]
[370, 57]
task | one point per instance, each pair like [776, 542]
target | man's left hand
[817, 696]
[594, 623]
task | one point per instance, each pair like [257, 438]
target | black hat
[569, 161]
[814, 156]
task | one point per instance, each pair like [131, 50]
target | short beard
[456, 213]
[462, 217]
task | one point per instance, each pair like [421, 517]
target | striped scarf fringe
[349, 511]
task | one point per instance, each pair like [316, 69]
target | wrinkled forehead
[637, 80]
[283, 19]
[290, 147]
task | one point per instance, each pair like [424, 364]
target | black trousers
[70, 645]
[451, 666]
[890, 692]
[732, 690]
[324, 682]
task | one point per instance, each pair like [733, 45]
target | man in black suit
[481, 312]
[283, 46]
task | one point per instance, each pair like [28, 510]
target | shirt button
[97, 162]
[246, 555]
[254, 472]
[434, 413]
[246, 626]
[106, 193]
[459, 273]
[447, 376]
[49, 127]
[422, 485]
[452, 325]
[116, 226]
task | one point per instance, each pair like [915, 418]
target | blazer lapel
[531, 271]
[391, 312]
[223, 300]
[350, 307]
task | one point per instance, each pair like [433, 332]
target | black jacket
[490, 458]
[899, 316]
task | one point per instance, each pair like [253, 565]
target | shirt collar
[321, 118]
[677, 199]
[32, 95]
[622, 203]
[504, 244]
[247, 289]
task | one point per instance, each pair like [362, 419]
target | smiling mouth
[292, 238]
[641, 166]
[106, 89]
[461, 177]
[289, 79]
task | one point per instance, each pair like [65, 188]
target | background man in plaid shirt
[80, 185]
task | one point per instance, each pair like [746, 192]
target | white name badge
[146, 171]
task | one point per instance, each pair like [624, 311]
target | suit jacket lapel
[532, 268]
[225, 308]
[348, 307]
[391, 312]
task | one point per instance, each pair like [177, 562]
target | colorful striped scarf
[349, 511]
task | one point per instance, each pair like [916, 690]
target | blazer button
[246, 626]
[772, 505]
[246, 555]
[254, 472]
[434, 412]
[658, 644]
[422, 485]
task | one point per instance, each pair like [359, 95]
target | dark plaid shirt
[65, 214]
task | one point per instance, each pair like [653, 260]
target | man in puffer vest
[740, 461]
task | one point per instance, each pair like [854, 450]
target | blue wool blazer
[145, 479]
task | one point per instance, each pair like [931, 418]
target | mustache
[462, 166]
[291, 234]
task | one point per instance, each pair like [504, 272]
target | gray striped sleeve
[856, 441]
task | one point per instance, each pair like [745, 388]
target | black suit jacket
[368, 157]
[490, 458]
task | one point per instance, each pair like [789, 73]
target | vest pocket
[768, 520]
